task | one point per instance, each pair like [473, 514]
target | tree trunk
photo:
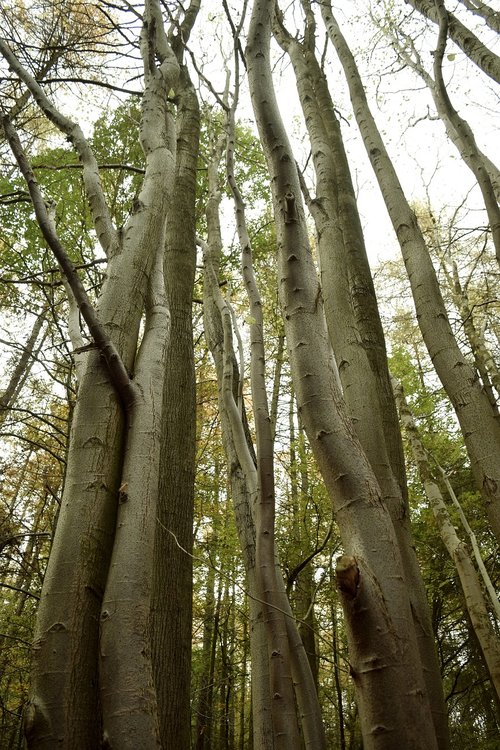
[128, 696]
[463, 37]
[464, 132]
[289, 668]
[22, 367]
[356, 333]
[373, 587]
[242, 471]
[172, 585]
[204, 705]
[477, 420]
[67, 628]
[469, 579]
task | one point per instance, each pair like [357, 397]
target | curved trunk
[476, 417]
[388, 680]
[128, 696]
[469, 579]
[67, 626]
[357, 337]
[465, 134]
[463, 37]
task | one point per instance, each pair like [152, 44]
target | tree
[458, 378]
[82, 570]
[177, 484]
[330, 432]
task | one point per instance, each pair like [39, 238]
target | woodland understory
[250, 383]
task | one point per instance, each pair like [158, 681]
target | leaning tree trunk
[464, 133]
[388, 678]
[477, 420]
[23, 366]
[356, 333]
[463, 37]
[475, 601]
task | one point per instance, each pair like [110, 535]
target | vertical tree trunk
[172, 586]
[204, 702]
[289, 668]
[242, 474]
[477, 420]
[372, 583]
[128, 696]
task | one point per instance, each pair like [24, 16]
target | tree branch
[106, 231]
[117, 371]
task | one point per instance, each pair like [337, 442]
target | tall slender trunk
[67, 627]
[172, 584]
[464, 132]
[338, 685]
[469, 579]
[22, 367]
[483, 57]
[289, 668]
[370, 577]
[477, 420]
[242, 474]
[356, 333]
[204, 704]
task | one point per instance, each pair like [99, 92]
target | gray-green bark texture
[389, 682]
[477, 419]
[355, 330]
[105, 461]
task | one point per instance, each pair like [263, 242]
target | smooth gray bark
[463, 37]
[477, 420]
[465, 134]
[484, 11]
[240, 466]
[67, 628]
[356, 332]
[389, 684]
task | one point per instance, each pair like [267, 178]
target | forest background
[235, 462]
